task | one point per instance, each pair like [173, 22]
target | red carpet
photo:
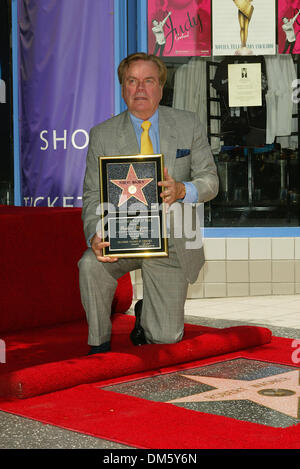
[49, 377]
[65, 392]
[51, 359]
[144, 424]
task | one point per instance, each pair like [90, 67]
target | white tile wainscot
[244, 267]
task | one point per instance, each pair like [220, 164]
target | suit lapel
[127, 141]
[168, 138]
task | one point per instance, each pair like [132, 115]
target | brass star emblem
[280, 392]
[132, 187]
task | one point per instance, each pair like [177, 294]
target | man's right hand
[97, 246]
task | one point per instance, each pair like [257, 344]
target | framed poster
[288, 26]
[243, 27]
[179, 27]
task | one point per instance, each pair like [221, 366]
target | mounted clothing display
[241, 125]
[251, 126]
[190, 94]
[281, 73]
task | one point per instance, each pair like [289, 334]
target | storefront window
[255, 147]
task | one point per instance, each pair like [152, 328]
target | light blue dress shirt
[191, 193]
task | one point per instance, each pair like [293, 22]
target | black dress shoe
[137, 335]
[99, 348]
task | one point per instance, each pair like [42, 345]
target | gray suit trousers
[164, 294]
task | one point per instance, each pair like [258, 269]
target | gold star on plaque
[279, 392]
[132, 186]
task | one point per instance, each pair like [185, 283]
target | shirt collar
[137, 122]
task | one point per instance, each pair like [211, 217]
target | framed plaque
[133, 215]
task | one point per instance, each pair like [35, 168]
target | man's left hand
[172, 190]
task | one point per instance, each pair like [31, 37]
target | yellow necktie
[146, 144]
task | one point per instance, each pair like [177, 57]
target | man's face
[141, 90]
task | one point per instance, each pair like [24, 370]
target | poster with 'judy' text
[179, 28]
[244, 27]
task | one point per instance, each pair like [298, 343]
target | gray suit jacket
[188, 157]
